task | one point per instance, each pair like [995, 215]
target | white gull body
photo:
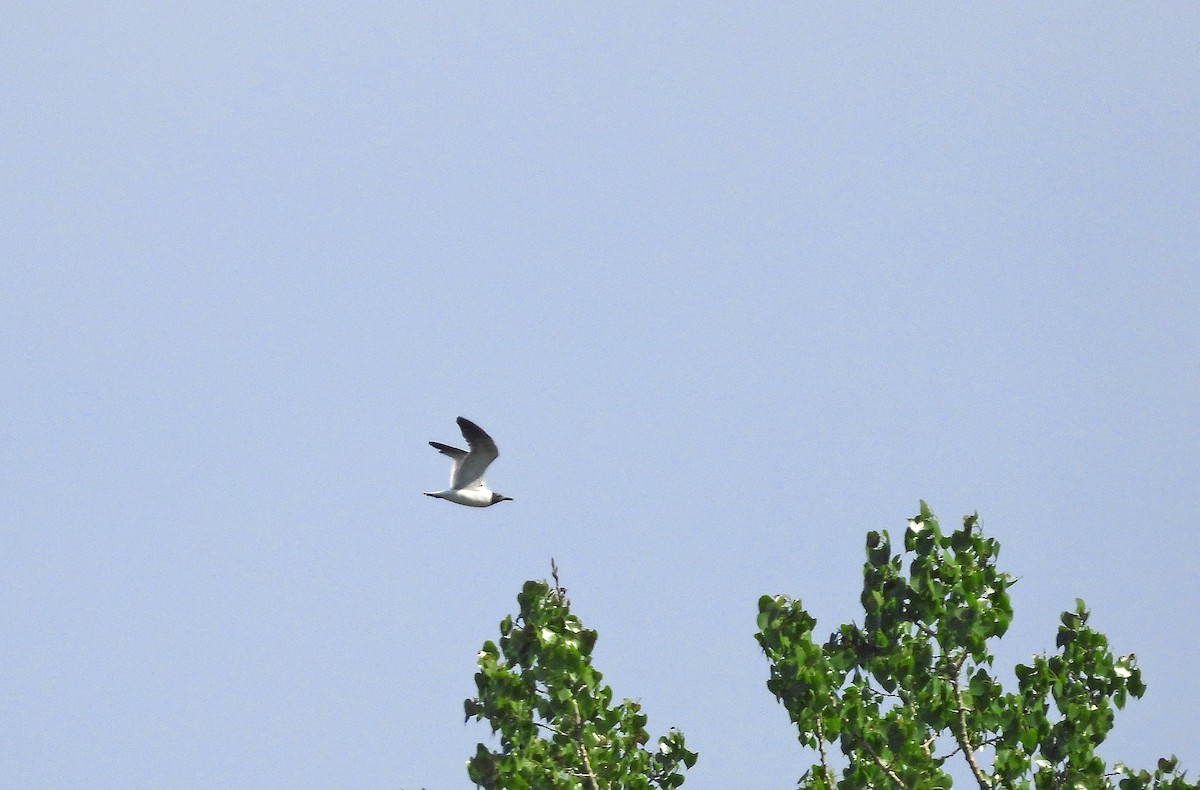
[467, 486]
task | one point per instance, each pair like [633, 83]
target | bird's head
[500, 498]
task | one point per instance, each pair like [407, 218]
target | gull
[466, 478]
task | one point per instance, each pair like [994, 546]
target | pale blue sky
[729, 285]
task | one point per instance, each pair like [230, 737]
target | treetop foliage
[914, 686]
[888, 704]
[558, 726]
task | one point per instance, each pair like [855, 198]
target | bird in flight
[466, 478]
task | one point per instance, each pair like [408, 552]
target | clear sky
[730, 285]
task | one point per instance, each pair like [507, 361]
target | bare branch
[960, 734]
[887, 769]
[559, 590]
[552, 729]
[824, 759]
[589, 777]
[927, 746]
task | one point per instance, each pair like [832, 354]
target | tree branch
[992, 741]
[589, 777]
[552, 729]
[960, 734]
[880, 763]
[559, 590]
[824, 760]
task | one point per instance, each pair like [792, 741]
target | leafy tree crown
[558, 726]
[914, 687]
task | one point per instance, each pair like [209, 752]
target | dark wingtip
[470, 429]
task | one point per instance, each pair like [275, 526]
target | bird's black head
[500, 498]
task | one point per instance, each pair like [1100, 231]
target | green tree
[558, 729]
[914, 686]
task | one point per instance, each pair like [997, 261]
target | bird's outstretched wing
[469, 469]
[446, 449]
[455, 454]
